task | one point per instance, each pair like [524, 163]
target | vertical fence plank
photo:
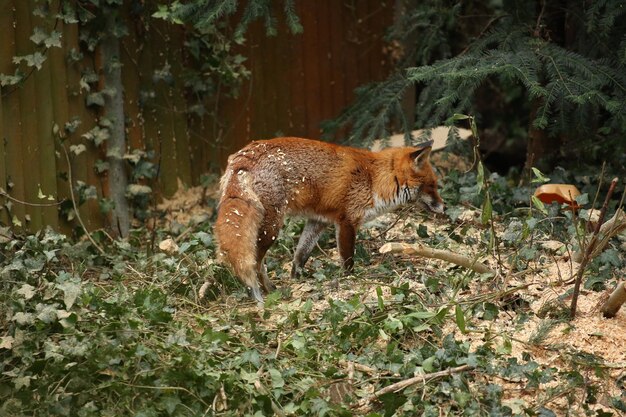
[311, 73]
[28, 116]
[324, 56]
[177, 107]
[147, 108]
[363, 48]
[61, 111]
[4, 216]
[258, 126]
[283, 70]
[270, 81]
[350, 49]
[45, 142]
[338, 76]
[162, 112]
[7, 34]
[13, 132]
[297, 110]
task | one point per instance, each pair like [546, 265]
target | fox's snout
[433, 204]
[438, 207]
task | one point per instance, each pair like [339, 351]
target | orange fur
[327, 183]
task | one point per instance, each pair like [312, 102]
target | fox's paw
[255, 293]
[296, 272]
[268, 287]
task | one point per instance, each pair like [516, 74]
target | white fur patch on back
[245, 179]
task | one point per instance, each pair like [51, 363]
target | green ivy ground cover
[127, 333]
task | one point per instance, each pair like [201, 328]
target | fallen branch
[610, 229]
[615, 301]
[365, 405]
[590, 248]
[444, 255]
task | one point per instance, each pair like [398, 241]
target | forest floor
[153, 326]
[533, 303]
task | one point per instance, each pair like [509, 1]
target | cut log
[615, 301]
[444, 255]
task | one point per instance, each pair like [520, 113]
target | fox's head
[420, 179]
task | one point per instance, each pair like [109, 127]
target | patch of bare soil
[188, 206]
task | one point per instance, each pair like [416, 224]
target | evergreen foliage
[569, 58]
[204, 15]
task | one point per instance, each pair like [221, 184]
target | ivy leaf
[33, 60]
[27, 291]
[205, 238]
[6, 342]
[539, 205]
[40, 37]
[35, 263]
[95, 99]
[54, 40]
[22, 381]
[101, 166]
[582, 199]
[487, 211]
[480, 175]
[46, 313]
[97, 135]
[460, 318]
[428, 364]
[162, 13]
[78, 149]
[6, 80]
[277, 378]
[22, 318]
[71, 291]
[170, 402]
[67, 15]
[539, 177]
[179, 338]
[106, 205]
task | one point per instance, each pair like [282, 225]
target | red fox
[323, 182]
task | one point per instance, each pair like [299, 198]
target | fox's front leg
[346, 237]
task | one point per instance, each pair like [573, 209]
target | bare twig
[361, 368]
[26, 203]
[444, 255]
[364, 406]
[589, 249]
[80, 220]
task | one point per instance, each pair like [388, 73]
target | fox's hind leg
[310, 235]
[267, 236]
[267, 285]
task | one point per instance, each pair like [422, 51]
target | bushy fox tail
[239, 218]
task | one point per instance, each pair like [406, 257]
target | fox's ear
[420, 156]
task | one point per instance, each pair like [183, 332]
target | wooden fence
[296, 82]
